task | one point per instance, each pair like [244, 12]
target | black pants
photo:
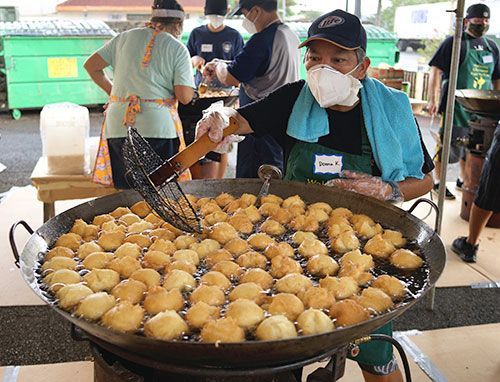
[255, 151]
[488, 194]
[165, 148]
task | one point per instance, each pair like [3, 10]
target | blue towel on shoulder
[390, 125]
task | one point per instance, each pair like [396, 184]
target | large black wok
[249, 354]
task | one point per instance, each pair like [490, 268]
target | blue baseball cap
[249, 4]
[338, 28]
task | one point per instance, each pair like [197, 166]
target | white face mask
[250, 25]
[330, 87]
[216, 21]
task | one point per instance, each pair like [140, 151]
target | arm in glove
[368, 185]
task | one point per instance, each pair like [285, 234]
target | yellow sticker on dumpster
[62, 67]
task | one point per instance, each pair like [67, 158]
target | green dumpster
[41, 62]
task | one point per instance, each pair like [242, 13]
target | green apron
[303, 165]
[474, 73]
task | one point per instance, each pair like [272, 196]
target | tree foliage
[388, 14]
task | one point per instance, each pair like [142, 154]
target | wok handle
[12, 239]
[432, 204]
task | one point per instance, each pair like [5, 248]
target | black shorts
[457, 152]
[165, 148]
[488, 193]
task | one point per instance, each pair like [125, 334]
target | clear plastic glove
[209, 70]
[367, 185]
[213, 122]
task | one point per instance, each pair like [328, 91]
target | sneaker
[466, 251]
[459, 184]
[447, 193]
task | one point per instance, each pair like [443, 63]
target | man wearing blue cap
[479, 69]
[268, 60]
[344, 129]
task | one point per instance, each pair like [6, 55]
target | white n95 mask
[249, 26]
[331, 87]
[216, 21]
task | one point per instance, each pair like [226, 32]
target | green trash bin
[41, 62]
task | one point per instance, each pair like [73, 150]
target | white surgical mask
[250, 25]
[331, 87]
[216, 21]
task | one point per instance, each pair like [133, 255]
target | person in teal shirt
[343, 129]
[151, 73]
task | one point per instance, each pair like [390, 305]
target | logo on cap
[331, 21]
[486, 15]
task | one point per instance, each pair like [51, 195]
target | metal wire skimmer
[168, 200]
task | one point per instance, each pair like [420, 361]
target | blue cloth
[390, 126]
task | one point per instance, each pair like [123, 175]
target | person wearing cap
[344, 129]
[206, 43]
[151, 73]
[479, 69]
[268, 60]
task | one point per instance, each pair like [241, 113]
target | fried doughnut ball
[98, 260]
[224, 199]
[286, 304]
[184, 241]
[282, 216]
[217, 279]
[56, 280]
[317, 298]
[374, 299]
[367, 228]
[112, 226]
[252, 213]
[101, 279]
[153, 220]
[187, 255]
[260, 241]
[335, 230]
[393, 287]
[342, 212]
[120, 211]
[223, 233]
[192, 199]
[141, 226]
[141, 240]
[296, 210]
[314, 321]
[99, 220]
[79, 227]
[257, 276]
[350, 269]
[304, 223]
[321, 206]
[279, 249]
[163, 245]
[201, 313]
[210, 294]
[182, 265]
[345, 242]
[247, 314]
[237, 246]
[248, 291]
[216, 217]
[394, 237]
[242, 223]
[379, 247]
[252, 259]
[129, 290]
[232, 207]
[156, 260]
[128, 249]
[293, 283]
[229, 268]
[129, 219]
[342, 288]
[322, 265]
[358, 258]
[209, 208]
[318, 214]
[202, 201]
[312, 247]
[271, 198]
[162, 233]
[348, 312]
[123, 317]
[84, 250]
[165, 326]
[180, 280]
[66, 252]
[71, 295]
[248, 200]
[205, 247]
[110, 241]
[91, 232]
[293, 200]
[159, 299]
[282, 265]
[69, 240]
[147, 276]
[59, 262]
[95, 305]
[272, 227]
[217, 257]
[125, 266]
[275, 328]
[268, 208]
[223, 330]
[406, 259]
[299, 236]
[141, 209]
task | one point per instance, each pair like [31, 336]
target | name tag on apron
[328, 164]
[207, 48]
[487, 59]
